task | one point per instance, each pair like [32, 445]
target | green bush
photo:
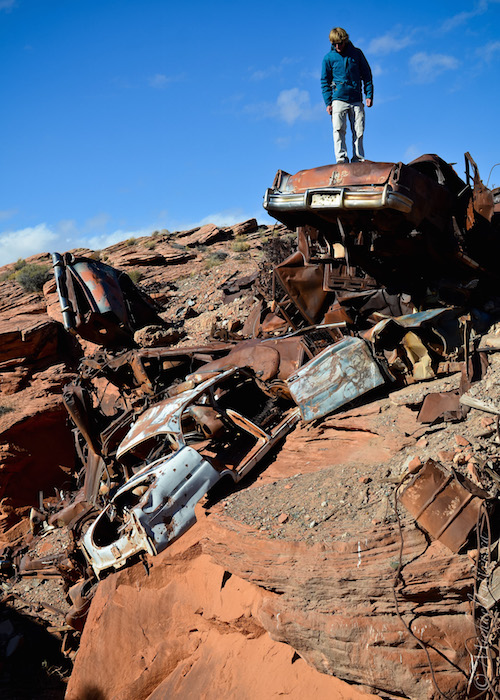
[215, 259]
[240, 246]
[33, 277]
[21, 262]
[135, 276]
[131, 241]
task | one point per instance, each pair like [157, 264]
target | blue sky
[120, 117]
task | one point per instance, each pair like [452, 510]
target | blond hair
[338, 34]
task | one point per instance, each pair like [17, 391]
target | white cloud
[427, 66]
[412, 152]
[7, 214]
[65, 236]
[283, 142]
[489, 51]
[294, 105]
[271, 71]
[7, 5]
[160, 80]
[463, 17]
[390, 42]
[99, 221]
[25, 242]
[68, 228]
[106, 239]
[290, 106]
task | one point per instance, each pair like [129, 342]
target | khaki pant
[356, 113]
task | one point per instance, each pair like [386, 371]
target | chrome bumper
[337, 198]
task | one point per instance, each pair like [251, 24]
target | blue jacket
[343, 74]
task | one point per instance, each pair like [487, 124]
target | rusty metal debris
[416, 228]
[100, 303]
[392, 281]
[444, 503]
[342, 372]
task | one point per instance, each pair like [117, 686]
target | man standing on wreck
[345, 70]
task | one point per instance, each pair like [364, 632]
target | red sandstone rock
[189, 629]
[414, 465]
[336, 605]
[445, 456]
[245, 227]
[206, 235]
[36, 452]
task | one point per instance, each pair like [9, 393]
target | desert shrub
[135, 276]
[211, 261]
[11, 273]
[150, 245]
[131, 241]
[19, 264]
[33, 277]
[5, 409]
[240, 246]
[96, 255]
[215, 259]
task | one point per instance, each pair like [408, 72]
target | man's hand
[369, 101]
[329, 109]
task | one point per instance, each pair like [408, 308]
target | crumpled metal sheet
[99, 303]
[443, 405]
[172, 485]
[341, 373]
[444, 503]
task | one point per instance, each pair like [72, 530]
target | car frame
[203, 431]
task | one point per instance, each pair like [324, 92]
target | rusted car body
[99, 302]
[414, 228]
[219, 422]
[177, 451]
[311, 197]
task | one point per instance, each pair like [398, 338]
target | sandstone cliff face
[335, 604]
[202, 622]
[188, 629]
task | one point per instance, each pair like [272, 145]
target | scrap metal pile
[394, 280]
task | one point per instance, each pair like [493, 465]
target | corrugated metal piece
[339, 374]
[445, 504]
